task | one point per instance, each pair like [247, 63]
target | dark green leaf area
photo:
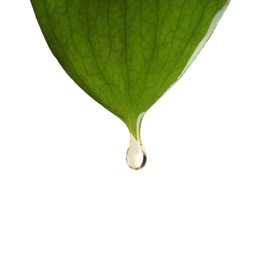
[125, 53]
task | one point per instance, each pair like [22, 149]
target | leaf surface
[126, 53]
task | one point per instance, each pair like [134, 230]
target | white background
[65, 189]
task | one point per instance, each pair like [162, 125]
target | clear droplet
[136, 155]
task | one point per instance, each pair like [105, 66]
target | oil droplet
[136, 155]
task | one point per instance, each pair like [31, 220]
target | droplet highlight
[136, 156]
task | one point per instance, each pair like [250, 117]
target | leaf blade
[125, 54]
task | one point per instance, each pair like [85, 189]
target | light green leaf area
[126, 53]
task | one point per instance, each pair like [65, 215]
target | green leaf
[126, 53]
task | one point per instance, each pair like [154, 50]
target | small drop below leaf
[136, 155]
